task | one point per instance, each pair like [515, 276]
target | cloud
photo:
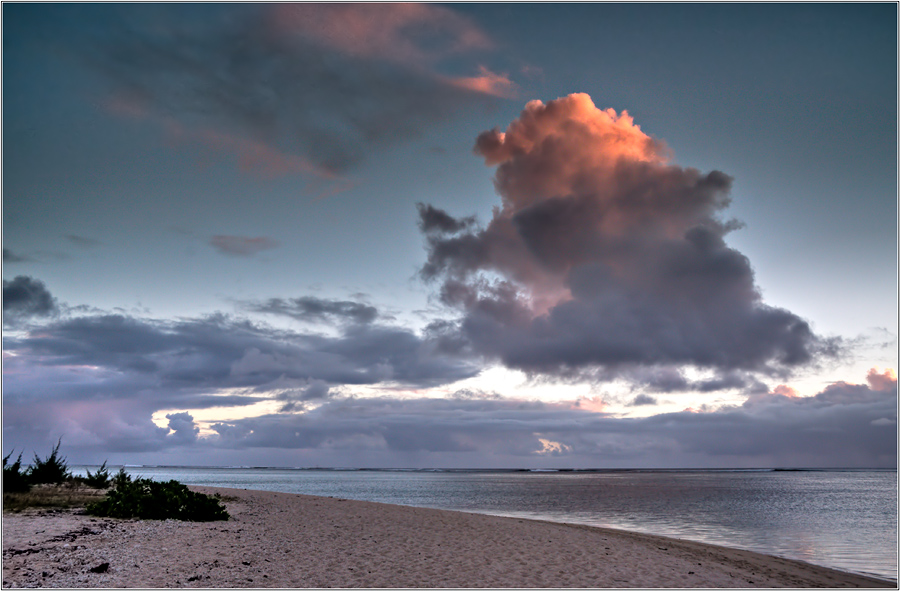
[407, 33]
[82, 241]
[488, 83]
[287, 88]
[643, 400]
[313, 309]
[25, 298]
[433, 220]
[405, 425]
[200, 356]
[311, 390]
[241, 246]
[783, 390]
[184, 431]
[552, 448]
[822, 430]
[98, 379]
[603, 254]
[673, 379]
[882, 382]
[11, 257]
[254, 156]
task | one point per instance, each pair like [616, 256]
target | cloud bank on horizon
[603, 262]
[98, 380]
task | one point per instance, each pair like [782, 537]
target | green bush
[146, 499]
[14, 479]
[99, 479]
[52, 470]
[121, 479]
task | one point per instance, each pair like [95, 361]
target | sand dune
[289, 540]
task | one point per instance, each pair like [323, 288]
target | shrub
[53, 470]
[99, 479]
[121, 479]
[14, 479]
[146, 499]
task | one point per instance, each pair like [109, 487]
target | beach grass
[67, 495]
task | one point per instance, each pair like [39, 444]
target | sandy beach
[289, 540]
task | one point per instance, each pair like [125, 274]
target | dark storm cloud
[313, 309]
[604, 254]
[241, 246]
[25, 298]
[288, 88]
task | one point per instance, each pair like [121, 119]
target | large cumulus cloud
[604, 254]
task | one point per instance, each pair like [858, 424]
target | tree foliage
[99, 479]
[14, 478]
[52, 470]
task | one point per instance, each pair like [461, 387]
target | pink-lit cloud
[404, 32]
[253, 156]
[590, 403]
[882, 382]
[782, 390]
[604, 254]
[306, 89]
[487, 82]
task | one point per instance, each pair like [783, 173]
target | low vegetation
[69, 495]
[147, 499]
[48, 483]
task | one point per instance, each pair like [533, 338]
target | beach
[290, 540]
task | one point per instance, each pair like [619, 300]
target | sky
[451, 236]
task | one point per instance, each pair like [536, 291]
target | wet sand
[289, 540]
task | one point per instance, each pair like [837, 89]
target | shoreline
[291, 540]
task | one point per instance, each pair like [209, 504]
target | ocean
[843, 519]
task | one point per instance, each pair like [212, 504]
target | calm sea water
[840, 519]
